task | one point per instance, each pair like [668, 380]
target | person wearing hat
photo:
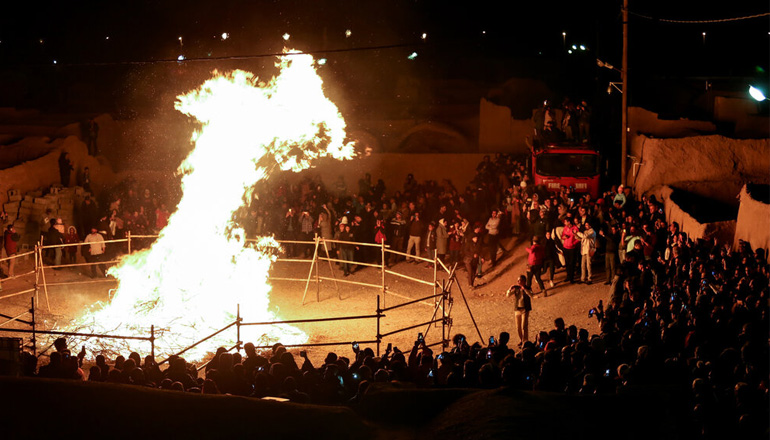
[396, 231]
[347, 249]
[620, 196]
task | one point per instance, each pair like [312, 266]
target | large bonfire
[190, 283]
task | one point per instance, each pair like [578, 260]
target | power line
[240, 57]
[721, 20]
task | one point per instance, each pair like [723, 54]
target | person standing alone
[11, 243]
[95, 251]
[65, 168]
[522, 304]
[535, 258]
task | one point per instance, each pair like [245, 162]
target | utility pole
[624, 122]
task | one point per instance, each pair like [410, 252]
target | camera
[492, 340]
[355, 346]
[303, 354]
[420, 337]
[489, 354]
[597, 311]
[607, 372]
[441, 356]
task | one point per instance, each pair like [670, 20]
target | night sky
[120, 56]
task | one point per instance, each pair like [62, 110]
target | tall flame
[200, 269]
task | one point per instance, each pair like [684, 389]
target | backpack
[379, 237]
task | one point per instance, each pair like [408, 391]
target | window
[567, 165]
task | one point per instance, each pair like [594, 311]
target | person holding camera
[587, 238]
[415, 236]
[522, 306]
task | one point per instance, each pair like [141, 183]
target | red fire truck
[574, 166]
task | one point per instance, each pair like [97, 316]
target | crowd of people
[421, 219]
[690, 322]
[683, 316]
[122, 211]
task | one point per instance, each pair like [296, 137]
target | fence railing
[441, 301]
[34, 330]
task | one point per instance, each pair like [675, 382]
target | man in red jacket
[11, 244]
[535, 264]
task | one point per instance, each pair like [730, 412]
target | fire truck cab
[574, 166]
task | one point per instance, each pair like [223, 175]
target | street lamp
[757, 94]
[601, 63]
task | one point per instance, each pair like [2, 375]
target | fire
[191, 281]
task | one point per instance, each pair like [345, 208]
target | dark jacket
[416, 228]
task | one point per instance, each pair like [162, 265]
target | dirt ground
[487, 304]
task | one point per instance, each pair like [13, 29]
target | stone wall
[499, 131]
[724, 231]
[42, 173]
[393, 168]
[712, 166]
[753, 224]
[648, 123]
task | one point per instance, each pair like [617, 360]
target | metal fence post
[444, 314]
[435, 278]
[34, 339]
[238, 328]
[37, 275]
[128, 241]
[379, 315]
[152, 342]
[382, 248]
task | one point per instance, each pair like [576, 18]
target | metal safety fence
[440, 296]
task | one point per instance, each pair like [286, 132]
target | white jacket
[587, 241]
